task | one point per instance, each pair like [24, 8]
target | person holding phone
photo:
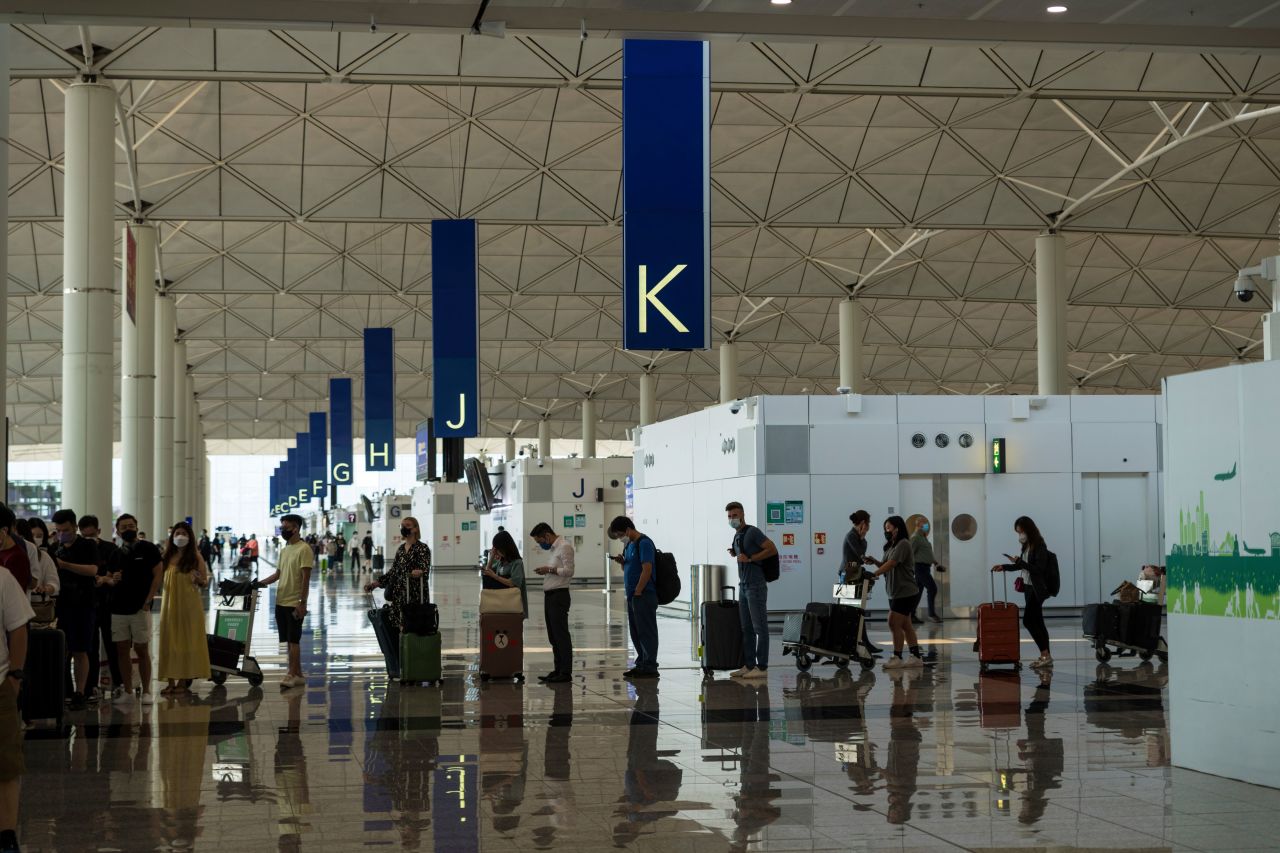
[1032, 564]
[899, 570]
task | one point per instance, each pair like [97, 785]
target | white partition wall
[801, 465]
[1222, 518]
[449, 523]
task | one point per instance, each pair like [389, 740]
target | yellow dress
[184, 647]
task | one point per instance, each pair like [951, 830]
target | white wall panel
[1116, 446]
[940, 409]
[853, 448]
[932, 459]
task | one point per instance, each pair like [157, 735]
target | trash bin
[708, 584]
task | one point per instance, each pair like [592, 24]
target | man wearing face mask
[922, 553]
[556, 576]
[107, 554]
[77, 562]
[751, 548]
[293, 570]
[140, 573]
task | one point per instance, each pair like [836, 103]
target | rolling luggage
[792, 628]
[842, 629]
[998, 631]
[1139, 625]
[44, 692]
[721, 635]
[419, 658]
[1101, 621]
[814, 626]
[999, 700]
[501, 646]
[383, 630]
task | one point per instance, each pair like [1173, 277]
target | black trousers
[1033, 619]
[555, 608]
[95, 660]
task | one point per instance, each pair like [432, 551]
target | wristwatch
[17, 674]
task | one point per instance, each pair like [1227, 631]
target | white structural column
[509, 449]
[193, 434]
[1051, 313]
[728, 372]
[163, 455]
[138, 375]
[181, 413]
[589, 428]
[88, 296]
[544, 439]
[4, 260]
[851, 326]
[648, 398]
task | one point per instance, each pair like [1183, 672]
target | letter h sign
[666, 195]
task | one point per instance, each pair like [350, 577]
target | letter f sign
[650, 297]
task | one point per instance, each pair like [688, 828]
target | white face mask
[180, 541]
[735, 523]
[37, 538]
[1022, 538]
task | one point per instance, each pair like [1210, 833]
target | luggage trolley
[233, 632]
[808, 650]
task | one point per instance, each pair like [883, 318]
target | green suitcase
[419, 658]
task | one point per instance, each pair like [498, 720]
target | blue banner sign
[340, 433]
[291, 479]
[666, 195]
[319, 454]
[379, 400]
[455, 328]
[302, 473]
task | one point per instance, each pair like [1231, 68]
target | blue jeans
[642, 621]
[753, 611]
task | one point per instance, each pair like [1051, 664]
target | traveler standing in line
[90, 529]
[44, 575]
[141, 570]
[638, 559]
[899, 570]
[506, 568]
[922, 554]
[16, 612]
[556, 576]
[852, 570]
[367, 545]
[1033, 563]
[14, 554]
[410, 571]
[184, 645]
[206, 548]
[293, 570]
[340, 555]
[76, 559]
[751, 548]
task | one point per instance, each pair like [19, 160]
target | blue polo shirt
[634, 556]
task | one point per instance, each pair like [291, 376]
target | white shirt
[16, 612]
[561, 560]
[43, 571]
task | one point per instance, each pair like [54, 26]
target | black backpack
[666, 575]
[771, 566]
[1052, 579]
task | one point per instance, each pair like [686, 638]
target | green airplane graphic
[1230, 475]
[1257, 552]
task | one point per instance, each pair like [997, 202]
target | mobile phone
[1011, 558]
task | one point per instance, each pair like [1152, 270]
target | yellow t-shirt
[293, 559]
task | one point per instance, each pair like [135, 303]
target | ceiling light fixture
[780, 2]
[1056, 10]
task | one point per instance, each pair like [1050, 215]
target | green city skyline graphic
[1209, 576]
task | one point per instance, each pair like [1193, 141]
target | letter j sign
[666, 195]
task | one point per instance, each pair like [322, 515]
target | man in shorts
[138, 572]
[293, 570]
[16, 612]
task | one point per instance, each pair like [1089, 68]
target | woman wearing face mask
[922, 554]
[1033, 563]
[410, 571]
[899, 570]
[44, 574]
[184, 647]
[505, 569]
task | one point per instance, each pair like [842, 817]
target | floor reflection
[944, 758]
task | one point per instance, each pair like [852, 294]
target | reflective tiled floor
[945, 759]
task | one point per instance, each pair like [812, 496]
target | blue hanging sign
[666, 195]
[303, 469]
[379, 400]
[340, 433]
[292, 492]
[319, 454]
[455, 328]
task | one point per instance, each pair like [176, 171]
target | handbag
[419, 617]
[46, 612]
[505, 600]
[1019, 585]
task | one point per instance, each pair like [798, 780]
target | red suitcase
[501, 646]
[999, 700]
[998, 631]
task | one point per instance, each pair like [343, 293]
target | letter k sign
[650, 297]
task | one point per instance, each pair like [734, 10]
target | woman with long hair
[506, 568]
[1033, 564]
[408, 581]
[184, 647]
[899, 569]
[45, 575]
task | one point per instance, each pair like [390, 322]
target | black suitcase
[814, 626]
[1102, 621]
[841, 632]
[721, 635]
[1139, 624]
[44, 691]
[390, 648]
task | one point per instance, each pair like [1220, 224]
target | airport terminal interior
[711, 425]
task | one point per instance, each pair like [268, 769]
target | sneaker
[117, 692]
[936, 620]
[756, 675]
[894, 662]
[294, 681]
[148, 699]
[740, 673]
[912, 661]
[123, 698]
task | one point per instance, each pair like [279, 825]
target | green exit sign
[999, 462]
